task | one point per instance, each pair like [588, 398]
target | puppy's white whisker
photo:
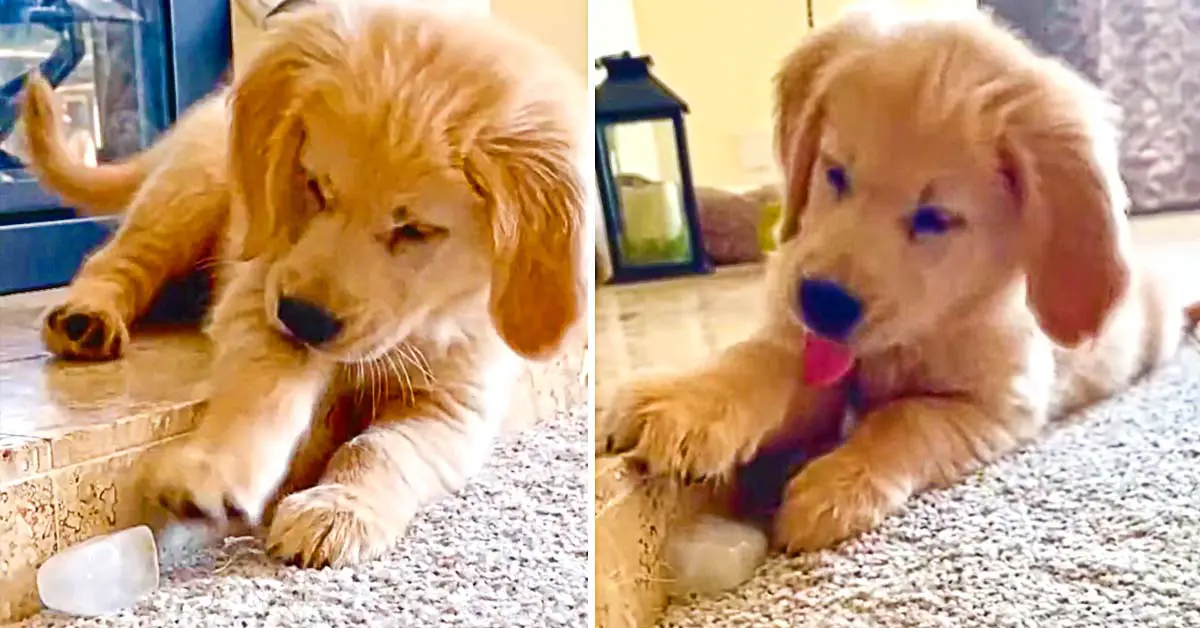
[417, 359]
[428, 368]
[407, 385]
[393, 373]
[359, 380]
[380, 387]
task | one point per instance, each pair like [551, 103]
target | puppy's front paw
[332, 525]
[834, 498]
[194, 481]
[84, 332]
[677, 425]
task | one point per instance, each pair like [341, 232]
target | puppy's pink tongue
[825, 361]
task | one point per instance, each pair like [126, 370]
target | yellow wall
[246, 36]
[719, 56]
[561, 24]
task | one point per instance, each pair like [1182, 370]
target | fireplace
[123, 71]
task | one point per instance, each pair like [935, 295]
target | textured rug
[1097, 525]
[510, 550]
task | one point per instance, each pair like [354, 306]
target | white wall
[612, 29]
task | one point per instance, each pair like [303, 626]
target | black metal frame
[610, 201]
[648, 100]
[61, 18]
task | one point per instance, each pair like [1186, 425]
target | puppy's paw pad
[83, 333]
[330, 525]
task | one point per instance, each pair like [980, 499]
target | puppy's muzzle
[308, 322]
[828, 309]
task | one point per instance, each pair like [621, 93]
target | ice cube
[714, 554]
[101, 575]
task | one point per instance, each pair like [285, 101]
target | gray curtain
[1146, 54]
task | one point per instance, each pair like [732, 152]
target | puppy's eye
[314, 188]
[838, 180]
[409, 232]
[931, 221]
[413, 233]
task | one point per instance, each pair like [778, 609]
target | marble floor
[69, 435]
[671, 323]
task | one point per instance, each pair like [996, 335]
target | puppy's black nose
[309, 323]
[828, 309]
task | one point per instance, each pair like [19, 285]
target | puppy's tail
[100, 190]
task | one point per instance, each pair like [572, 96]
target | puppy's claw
[190, 510]
[676, 426]
[332, 525]
[614, 448]
[833, 499]
[196, 482]
[235, 511]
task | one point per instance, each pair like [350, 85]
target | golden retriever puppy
[394, 200]
[954, 252]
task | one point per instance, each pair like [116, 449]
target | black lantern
[644, 176]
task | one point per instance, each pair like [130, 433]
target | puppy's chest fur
[459, 360]
[1003, 368]
[1004, 363]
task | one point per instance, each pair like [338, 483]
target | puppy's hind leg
[173, 222]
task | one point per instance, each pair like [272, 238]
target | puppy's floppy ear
[798, 114]
[1059, 147]
[529, 175]
[267, 131]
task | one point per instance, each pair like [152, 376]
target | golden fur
[972, 340]
[416, 175]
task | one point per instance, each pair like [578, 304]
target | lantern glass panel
[644, 159]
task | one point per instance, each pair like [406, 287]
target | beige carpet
[510, 550]
[1099, 525]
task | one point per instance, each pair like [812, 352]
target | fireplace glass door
[122, 70]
